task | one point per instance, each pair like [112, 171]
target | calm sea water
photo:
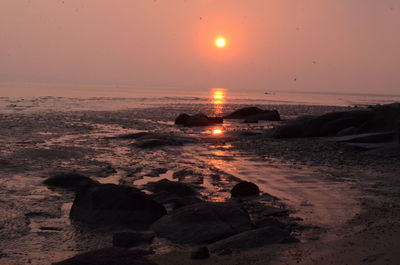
[114, 98]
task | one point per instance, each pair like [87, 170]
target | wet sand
[348, 201]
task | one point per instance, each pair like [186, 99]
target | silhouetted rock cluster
[203, 223]
[197, 120]
[223, 225]
[374, 119]
[254, 114]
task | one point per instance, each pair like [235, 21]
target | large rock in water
[68, 180]
[107, 256]
[197, 120]
[254, 114]
[203, 223]
[115, 206]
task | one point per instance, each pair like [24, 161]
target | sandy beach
[344, 203]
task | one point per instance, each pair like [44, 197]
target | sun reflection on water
[217, 131]
[218, 99]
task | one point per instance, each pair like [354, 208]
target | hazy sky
[317, 45]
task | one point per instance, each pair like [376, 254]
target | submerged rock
[68, 180]
[158, 140]
[115, 205]
[245, 188]
[132, 239]
[197, 120]
[108, 256]
[203, 223]
[253, 239]
[254, 114]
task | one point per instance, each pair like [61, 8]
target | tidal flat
[342, 205]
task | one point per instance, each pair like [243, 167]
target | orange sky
[317, 45]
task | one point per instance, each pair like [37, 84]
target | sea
[65, 98]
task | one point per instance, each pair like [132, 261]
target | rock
[132, 239]
[69, 181]
[115, 205]
[270, 222]
[197, 120]
[133, 135]
[175, 201]
[244, 113]
[159, 140]
[203, 223]
[245, 188]
[266, 115]
[324, 125]
[182, 119]
[201, 253]
[108, 256]
[172, 187]
[348, 131]
[253, 239]
[254, 114]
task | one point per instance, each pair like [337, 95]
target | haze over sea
[24, 97]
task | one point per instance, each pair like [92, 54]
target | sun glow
[220, 42]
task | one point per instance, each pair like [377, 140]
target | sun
[220, 42]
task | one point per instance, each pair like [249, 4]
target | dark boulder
[173, 187]
[132, 239]
[115, 205]
[266, 115]
[68, 181]
[197, 120]
[203, 223]
[253, 239]
[254, 114]
[108, 256]
[325, 125]
[245, 188]
[182, 119]
[175, 201]
[200, 253]
[244, 113]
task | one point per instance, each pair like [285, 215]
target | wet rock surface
[254, 114]
[107, 256]
[69, 181]
[115, 205]
[245, 188]
[203, 223]
[197, 120]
